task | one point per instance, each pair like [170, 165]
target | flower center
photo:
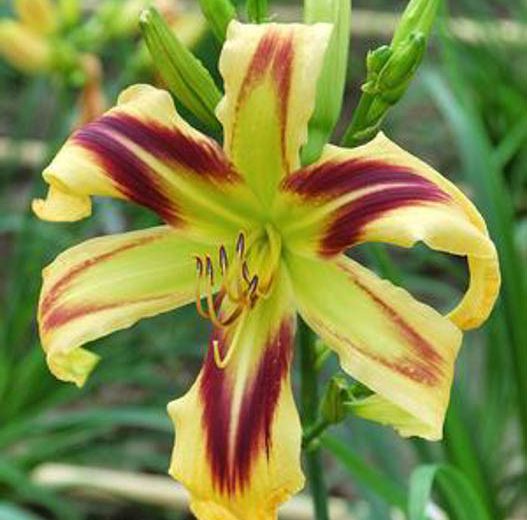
[242, 279]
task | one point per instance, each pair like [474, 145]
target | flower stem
[309, 402]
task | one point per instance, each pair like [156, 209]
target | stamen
[209, 269]
[240, 245]
[222, 363]
[199, 306]
[253, 285]
[245, 272]
[224, 260]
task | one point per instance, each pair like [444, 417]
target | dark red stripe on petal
[65, 314]
[421, 347]
[233, 448]
[415, 369]
[254, 435]
[57, 289]
[347, 224]
[131, 176]
[195, 155]
[216, 394]
[273, 57]
[336, 178]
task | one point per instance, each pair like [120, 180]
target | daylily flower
[253, 238]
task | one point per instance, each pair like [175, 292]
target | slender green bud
[419, 16]
[184, 74]
[390, 70]
[219, 14]
[404, 62]
[333, 403]
[377, 59]
[257, 10]
[332, 80]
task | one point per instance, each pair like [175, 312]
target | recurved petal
[107, 284]
[237, 430]
[143, 151]
[380, 193]
[401, 349]
[270, 73]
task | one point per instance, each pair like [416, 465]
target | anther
[199, 266]
[224, 261]
[240, 245]
[209, 269]
[253, 285]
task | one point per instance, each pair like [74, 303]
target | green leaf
[364, 474]
[186, 77]
[330, 88]
[466, 503]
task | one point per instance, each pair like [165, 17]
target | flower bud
[418, 16]
[183, 73]
[218, 13]
[403, 64]
[23, 49]
[332, 80]
[39, 16]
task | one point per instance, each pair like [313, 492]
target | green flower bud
[418, 16]
[377, 59]
[257, 10]
[402, 65]
[332, 80]
[333, 404]
[186, 77]
[218, 13]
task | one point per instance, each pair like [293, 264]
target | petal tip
[72, 367]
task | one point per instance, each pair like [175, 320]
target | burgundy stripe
[60, 316]
[195, 155]
[54, 292]
[421, 347]
[413, 368]
[274, 54]
[348, 222]
[254, 433]
[231, 463]
[131, 175]
[335, 178]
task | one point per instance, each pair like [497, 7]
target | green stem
[314, 432]
[309, 402]
[353, 135]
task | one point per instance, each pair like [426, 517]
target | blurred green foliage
[467, 113]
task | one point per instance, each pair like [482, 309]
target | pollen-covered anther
[237, 292]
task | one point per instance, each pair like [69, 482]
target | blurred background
[466, 113]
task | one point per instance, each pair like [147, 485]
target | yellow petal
[143, 151]
[270, 73]
[380, 193]
[40, 16]
[398, 347]
[107, 284]
[237, 430]
[22, 48]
